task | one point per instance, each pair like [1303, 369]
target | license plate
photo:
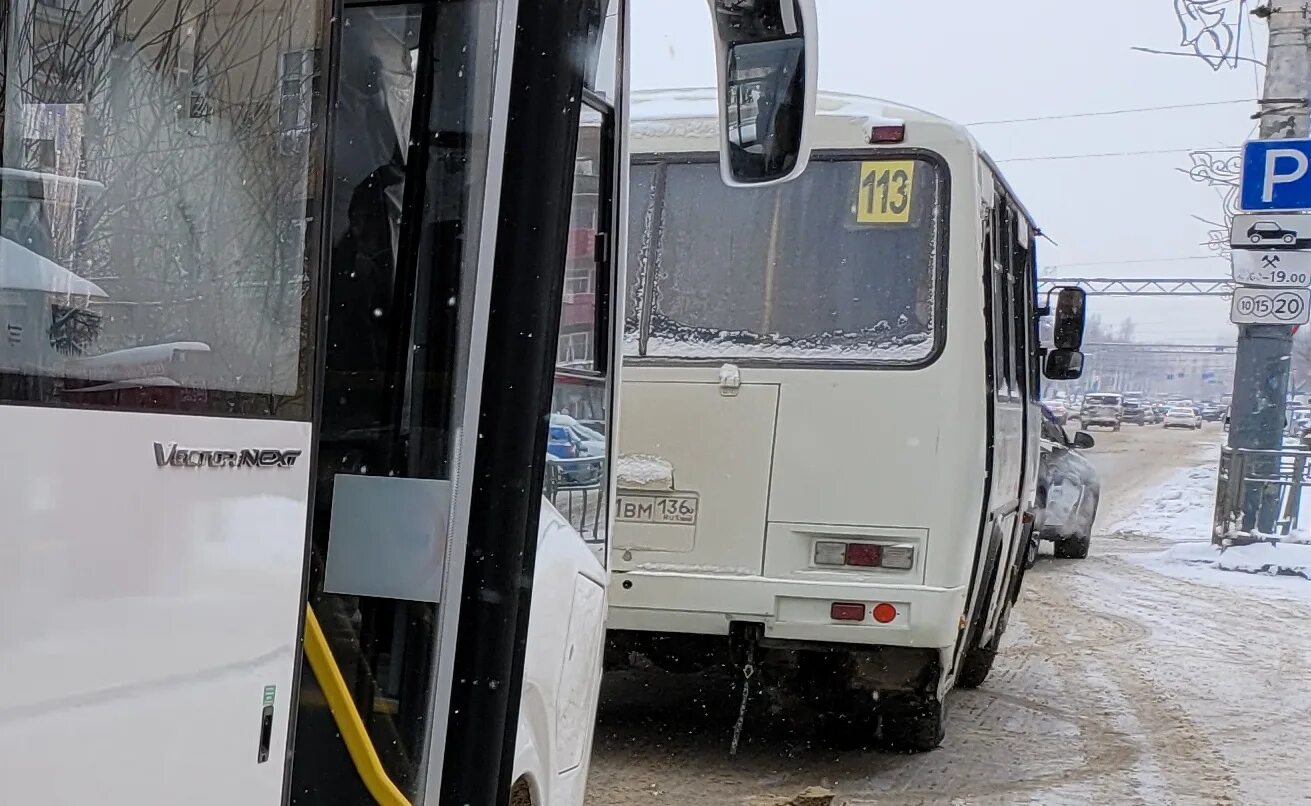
[679, 508]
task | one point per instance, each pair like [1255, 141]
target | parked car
[1104, 409]
[1058, 411]
[1067, 495]
[1182, 417]
[575, 453]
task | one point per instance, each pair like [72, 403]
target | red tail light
[846, 611]
[866, 554]
[884, 613]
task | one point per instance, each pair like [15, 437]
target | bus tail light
[864, 555]
[847, 611]
[884, 613]
[867, 555]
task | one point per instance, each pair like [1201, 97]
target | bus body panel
[145, 642]
[562, 664]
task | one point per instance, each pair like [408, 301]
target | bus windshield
[843, 264]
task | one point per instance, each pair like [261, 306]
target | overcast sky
[977, 60]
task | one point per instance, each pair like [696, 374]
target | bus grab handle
[347, 717]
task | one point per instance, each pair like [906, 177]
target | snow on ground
[1181, 510]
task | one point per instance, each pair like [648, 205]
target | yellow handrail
[347, 717]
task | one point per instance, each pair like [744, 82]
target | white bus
[830, 421]
[290, 291]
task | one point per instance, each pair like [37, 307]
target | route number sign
[884, 193]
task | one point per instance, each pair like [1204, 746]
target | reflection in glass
[154, 204]
[576, 480]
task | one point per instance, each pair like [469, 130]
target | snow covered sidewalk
[1180, 511]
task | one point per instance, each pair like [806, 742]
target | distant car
[1058, 411]
[1270, 231]
[1134, 411]
[1155, 413]
[574, 452]
[1182, 417]
[1102, 408]
[1212, 413]
[1067, 495]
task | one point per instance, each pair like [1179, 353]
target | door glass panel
[155, 207]
[410, 156]
[577, 437]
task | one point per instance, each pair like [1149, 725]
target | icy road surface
[1117, 684]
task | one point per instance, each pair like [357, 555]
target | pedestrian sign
[1276, 175]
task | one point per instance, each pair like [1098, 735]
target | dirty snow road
[1116, 684]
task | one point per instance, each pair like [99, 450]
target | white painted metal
[1272, 268]
[826, 453]
[1286, 306]
[137, 639]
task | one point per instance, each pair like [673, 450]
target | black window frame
[940, 275]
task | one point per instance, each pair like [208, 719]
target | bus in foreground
[830, 418]
[281, 290]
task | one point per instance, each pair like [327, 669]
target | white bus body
[872, 391]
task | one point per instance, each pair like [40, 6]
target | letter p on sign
[1293, 164]
[1276, 175]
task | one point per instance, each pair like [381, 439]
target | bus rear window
[843, 264]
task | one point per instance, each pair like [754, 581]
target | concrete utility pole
[1262, 364]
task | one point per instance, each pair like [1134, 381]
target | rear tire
[912, 724]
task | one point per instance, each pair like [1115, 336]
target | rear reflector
[865, 554]
[847, 611]
[901, 557]
[829, 553]
[884, 613]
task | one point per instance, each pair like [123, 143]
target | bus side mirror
[1067, 327]
[1063, 365]
[767, 62]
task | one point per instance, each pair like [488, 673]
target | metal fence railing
[577, 489]
[1259, 494]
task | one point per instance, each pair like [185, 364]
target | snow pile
[1274, 559]
[1182, 508]
[643, 471]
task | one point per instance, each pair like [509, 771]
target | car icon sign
[1270, 231]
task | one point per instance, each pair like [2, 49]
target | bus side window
[1001, 344]
[1020, 307]
[1022, 281]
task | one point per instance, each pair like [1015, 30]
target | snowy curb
[1272, 559]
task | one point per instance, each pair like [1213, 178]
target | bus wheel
[912, 724]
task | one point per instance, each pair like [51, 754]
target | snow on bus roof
[653, 110]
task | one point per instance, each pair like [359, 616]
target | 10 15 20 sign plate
[1270, 306]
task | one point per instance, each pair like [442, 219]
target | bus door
[250, 276]
[415, 258]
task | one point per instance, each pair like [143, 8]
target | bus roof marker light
[890, 133]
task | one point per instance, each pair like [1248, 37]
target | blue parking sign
[1276, 175]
